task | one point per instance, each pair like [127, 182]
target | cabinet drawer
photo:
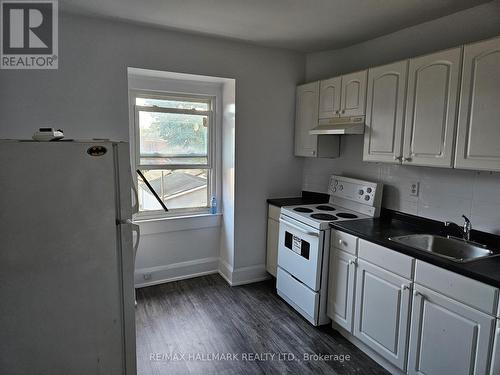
[345, 242]
[303, 299]
[388, 259]
[273, 212]
[460, 288]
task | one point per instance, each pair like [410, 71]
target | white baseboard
[243, 275]
[176, 271]
[226, 271]
[186, 270]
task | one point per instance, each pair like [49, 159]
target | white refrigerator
[66, 258]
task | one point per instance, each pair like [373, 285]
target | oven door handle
[299, 228]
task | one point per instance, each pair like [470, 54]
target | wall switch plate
[414, 188]
[146, 276]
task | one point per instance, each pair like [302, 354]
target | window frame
[211, 147]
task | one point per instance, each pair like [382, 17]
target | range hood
[340, 125]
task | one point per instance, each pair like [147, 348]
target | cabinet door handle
[418, 294]
[407, 159]
[399, 158]
[337, 112]
[405, 287]
[353, 262]
[343, 111]
[343, 243]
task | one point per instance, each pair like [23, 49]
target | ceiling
[301, 25]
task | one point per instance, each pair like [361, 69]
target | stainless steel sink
[451, 248]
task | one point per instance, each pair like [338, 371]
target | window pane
[179, 104]
[173, 135]
[174, 161]
[179, 188]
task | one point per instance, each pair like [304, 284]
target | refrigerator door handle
[135, 206]
[135, 228]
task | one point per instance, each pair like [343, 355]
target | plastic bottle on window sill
[213, 205]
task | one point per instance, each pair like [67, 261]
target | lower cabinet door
[448, 337]
[272, 246]
[495, 358]
[341, 280]
[382, 312]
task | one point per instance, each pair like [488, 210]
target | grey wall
[469, 25]
[444, 193]
[87, 97]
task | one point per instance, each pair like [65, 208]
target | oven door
[300, 251]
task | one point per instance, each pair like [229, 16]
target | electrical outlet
[146, 276]
[414, 188]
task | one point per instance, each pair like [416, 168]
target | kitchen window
[174, 148]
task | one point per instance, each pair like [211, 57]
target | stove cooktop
[319, 216]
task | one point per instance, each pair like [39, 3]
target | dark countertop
[308, 197]
[392, 224]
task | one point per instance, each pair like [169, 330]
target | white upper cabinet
[478, 138]
[353, 94]
[306, 118]
[385, 113]
[430, 121]
[329, 97]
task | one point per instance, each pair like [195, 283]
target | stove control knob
[336, 182]
[361, 192]
[368, 190]
[341, 187]
[367, 197]
[334, 189]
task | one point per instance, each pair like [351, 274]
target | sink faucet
[466, 228]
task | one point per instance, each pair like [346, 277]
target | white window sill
[167, 224]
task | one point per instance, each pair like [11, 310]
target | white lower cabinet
[382, 312]
[495, 358]
[448, 337]
[418, 318]
[273, 227]
[341, 288]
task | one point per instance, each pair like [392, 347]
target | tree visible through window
[173, 151]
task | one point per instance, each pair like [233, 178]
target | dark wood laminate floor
[204, 317]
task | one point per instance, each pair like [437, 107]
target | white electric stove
[304, 241]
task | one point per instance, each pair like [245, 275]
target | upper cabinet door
[433, 84]
[329, 97]
[353, 102]
[479, 115]
[306, 118]
[385, 113]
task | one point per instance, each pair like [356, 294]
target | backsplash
[444, 194]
